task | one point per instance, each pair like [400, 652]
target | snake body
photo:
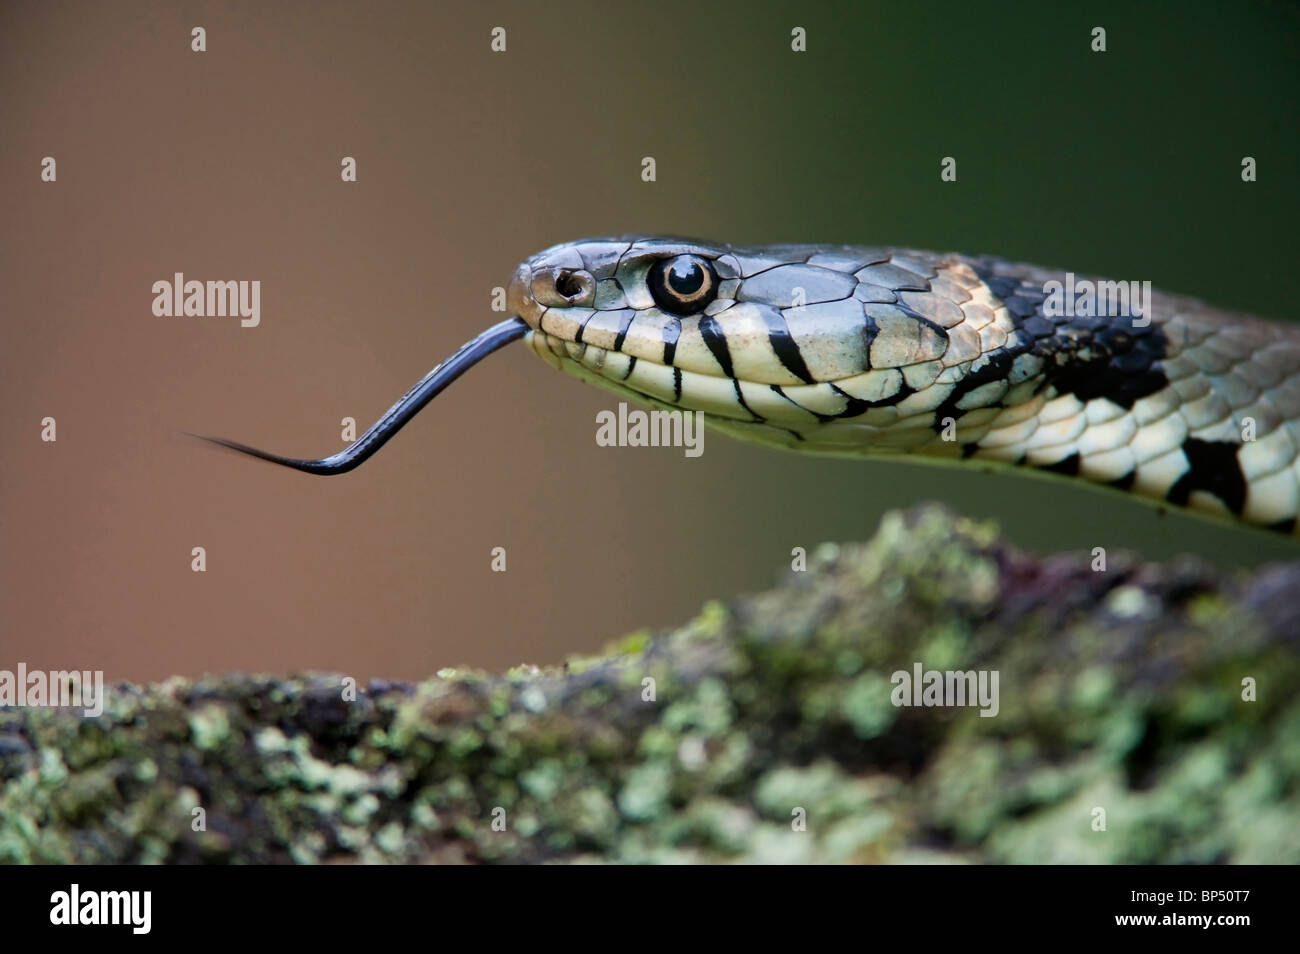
[851, 350]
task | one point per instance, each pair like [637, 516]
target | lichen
[765, 730]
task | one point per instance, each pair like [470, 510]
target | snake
[941, 357]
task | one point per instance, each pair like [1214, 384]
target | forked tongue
[425, 390]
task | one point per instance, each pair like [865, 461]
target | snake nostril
[570, 285]
[558, 287]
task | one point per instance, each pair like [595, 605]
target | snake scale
[851, 350]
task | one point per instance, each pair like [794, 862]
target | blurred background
[226, 165]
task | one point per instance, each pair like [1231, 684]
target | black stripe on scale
[1283, 526]
[631, 364]
[776, 389]
[1125, 482]
[1003, 286]
[672, 331]
[784, 346]
[1212, 467]
[624, 325]
[583, 327]
[677, 385]
[716, 341]
[852, 408]
[857, 406]
[1069, 466]
[997, 368]
[741, 398]
[795, 434]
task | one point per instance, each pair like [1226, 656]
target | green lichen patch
[1144, 714]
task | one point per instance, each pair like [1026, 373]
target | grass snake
[858, 350]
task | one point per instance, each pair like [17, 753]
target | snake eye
[683, 285]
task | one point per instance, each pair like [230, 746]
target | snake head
[775, 344]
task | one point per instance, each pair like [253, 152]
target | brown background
[225, 165]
